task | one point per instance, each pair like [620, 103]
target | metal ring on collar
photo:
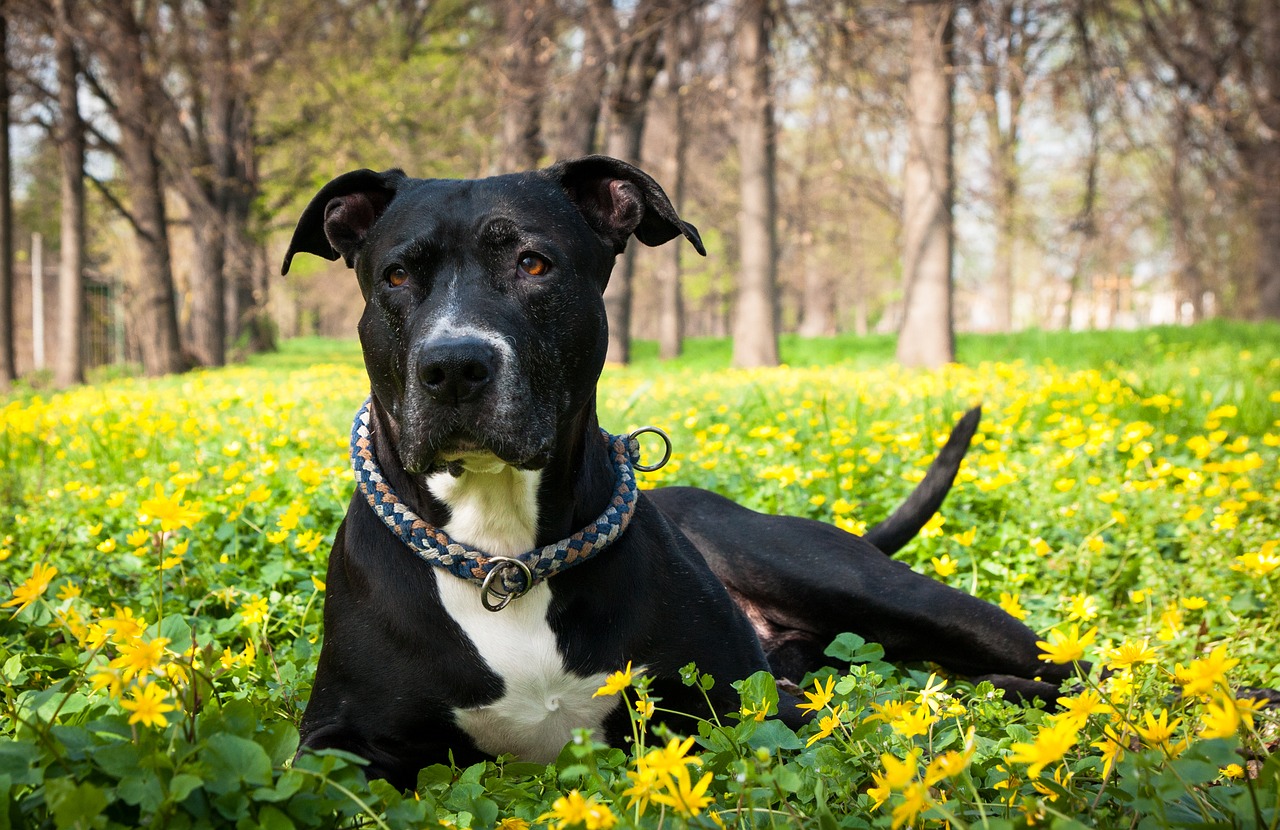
[666, 455]
[488, 590]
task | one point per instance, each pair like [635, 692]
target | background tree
[755, 336]
[8, 367]
[927, 336]
[69, 363]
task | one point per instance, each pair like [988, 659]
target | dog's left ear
[619, 201]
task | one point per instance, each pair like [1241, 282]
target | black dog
[484, 334]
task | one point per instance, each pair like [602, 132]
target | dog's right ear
[339, 217]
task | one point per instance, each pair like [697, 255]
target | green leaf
[774, 734]
[18, 762]
[75, 805]
[182, 785]
[232, 760]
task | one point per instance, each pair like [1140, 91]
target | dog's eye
[397, 276]
[533, 265]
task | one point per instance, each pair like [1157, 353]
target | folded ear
[619, 201]
[339, 217]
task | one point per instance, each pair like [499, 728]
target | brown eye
[533, 265]
[397, 277]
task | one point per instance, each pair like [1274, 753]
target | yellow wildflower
[147, 706]
[685, 798]
[1051, 743]
[615, 683]
[33, 588]
[1012, 606]
[827, 724]
[1202, 676]
[1066, 647]
[820, 698]
[572, 810]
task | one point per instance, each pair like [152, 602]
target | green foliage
[163, 543]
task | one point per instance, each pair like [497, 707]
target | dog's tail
[894, 532]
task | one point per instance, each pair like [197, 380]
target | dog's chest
[542, 701]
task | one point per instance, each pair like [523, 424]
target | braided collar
[503, 578]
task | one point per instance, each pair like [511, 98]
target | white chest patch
[494, 508]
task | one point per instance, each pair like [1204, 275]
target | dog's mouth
[468, 453]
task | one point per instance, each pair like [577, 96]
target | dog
[481, 460]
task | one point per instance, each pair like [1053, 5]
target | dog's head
[484, 327]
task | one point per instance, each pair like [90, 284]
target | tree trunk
[671, 170]
[1085, 223]
[8, 366]
[208, 306]
[637, 64]
[582, 116]
[817, 299]
[69, 363]
[1188, 275]
[526, 54]
[154, 308]
[926, 337]
[1263, 162]
[626, 131]
[755, 333]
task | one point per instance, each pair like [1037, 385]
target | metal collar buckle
[492, 597]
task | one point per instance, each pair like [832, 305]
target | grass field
[162, 547]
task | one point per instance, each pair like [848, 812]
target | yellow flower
[69, 590]
[572, 810]
[948, 765]
[170, 510]
[685, 798]
[914, 722]
[945, 566]
[1111, 747]
[966, 539]
[1194, 603]
[664, 762]
[1220, 719]
[1082, 607]
[820, 698]
[309, 540]
[512, 823]
[147, 706]
[139, 657]
[317, 582]
[899, 772]
[107, 545]
[254, 611]
[615, 683]
[1052, 742]
[277, 536]
[645, 708]
[139, 537]
[827, 724]
[1129, 654]
[933, 527]
[1078, 709]
[1232, 771]
[1012, 606]
[1201, 677]
[915, 799]
[1066, 648]
[33, 588]
[1158, 731]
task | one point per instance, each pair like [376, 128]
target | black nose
[455, 370]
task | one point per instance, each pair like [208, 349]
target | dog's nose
[454, 371]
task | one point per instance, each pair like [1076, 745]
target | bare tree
[678, 42]
[136, 106]
[525, 59]
[69, 364]
[8, 367]
[1227, 56]
[1010, 38]
[755, 333]
[927, 337]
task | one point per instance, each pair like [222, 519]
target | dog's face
[484, 326]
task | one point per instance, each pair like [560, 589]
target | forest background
[1051, 163]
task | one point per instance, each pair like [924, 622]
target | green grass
[1126, 481]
